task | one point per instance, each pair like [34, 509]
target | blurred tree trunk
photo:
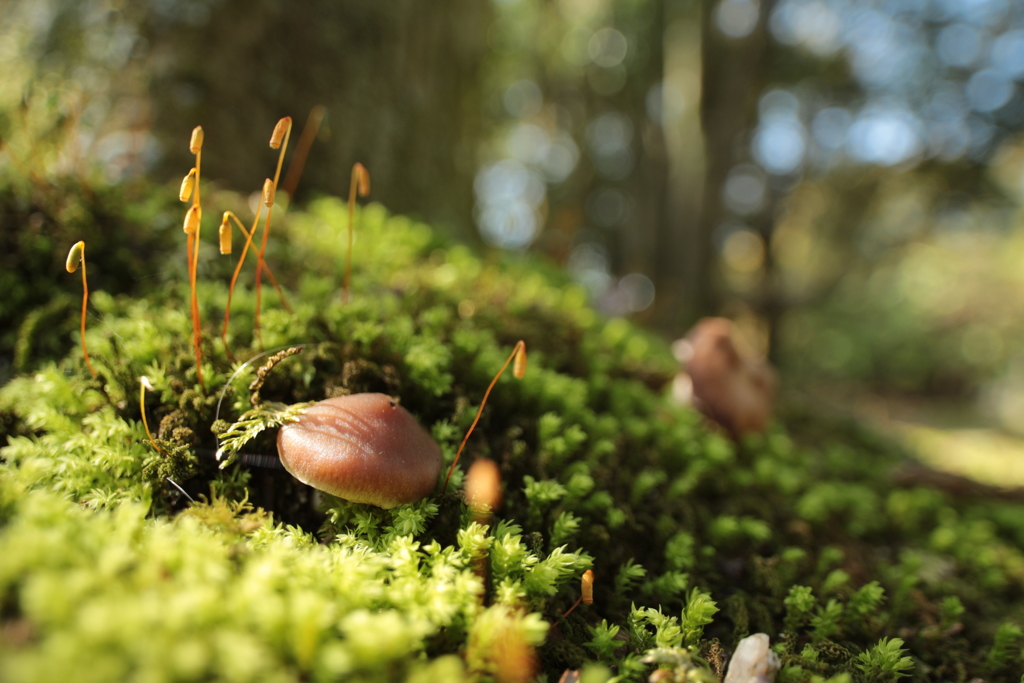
[386, 72]
[734, 73]
[640, 244]
[673, 255]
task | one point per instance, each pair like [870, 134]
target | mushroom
[364, 448]
[483, 489]
[732, 387]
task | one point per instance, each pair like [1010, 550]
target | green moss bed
[122, 563]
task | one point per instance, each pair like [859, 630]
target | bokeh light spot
[560, 158]
[512, 225]
[638, 291]
[744, 189]
[523, 99]
[830, 127]
[958, 45]
[508, 197]
[815, 25]
[608, 207]
[743, 251]
[988, 90]
[885, 136]
[588, 264]
[526, 142]
[610, 137]
[779, 145]
[607, 48]
[1008, 53]
[737, 18]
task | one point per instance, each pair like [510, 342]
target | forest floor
[949, 435]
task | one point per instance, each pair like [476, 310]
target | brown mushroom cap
[364, 448]
[730, 385]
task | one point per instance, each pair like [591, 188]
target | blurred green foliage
[39, 222]
[849, 196]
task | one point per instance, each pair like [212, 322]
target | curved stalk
[518, 370]
[76, 256]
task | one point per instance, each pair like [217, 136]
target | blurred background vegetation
[844, 178]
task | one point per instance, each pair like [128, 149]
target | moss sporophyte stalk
[587, 487]
[360, 185]
[75, 257]
[192, 227]
[518, 371]
[278, 140]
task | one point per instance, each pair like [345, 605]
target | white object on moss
[753, 660]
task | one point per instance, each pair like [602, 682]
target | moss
[171, 568]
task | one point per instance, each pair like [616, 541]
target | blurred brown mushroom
[722, 380]
[483, 489]
[364, 448]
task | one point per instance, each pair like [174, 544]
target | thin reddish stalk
[574, 606]
[193, 255]
[586, 593]
[85, 304]
[360, 185]
[192, 248]
[298, 162]
[234, 277]
[520, 346]
[145, 422]
[351, 229]
[263, 242]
